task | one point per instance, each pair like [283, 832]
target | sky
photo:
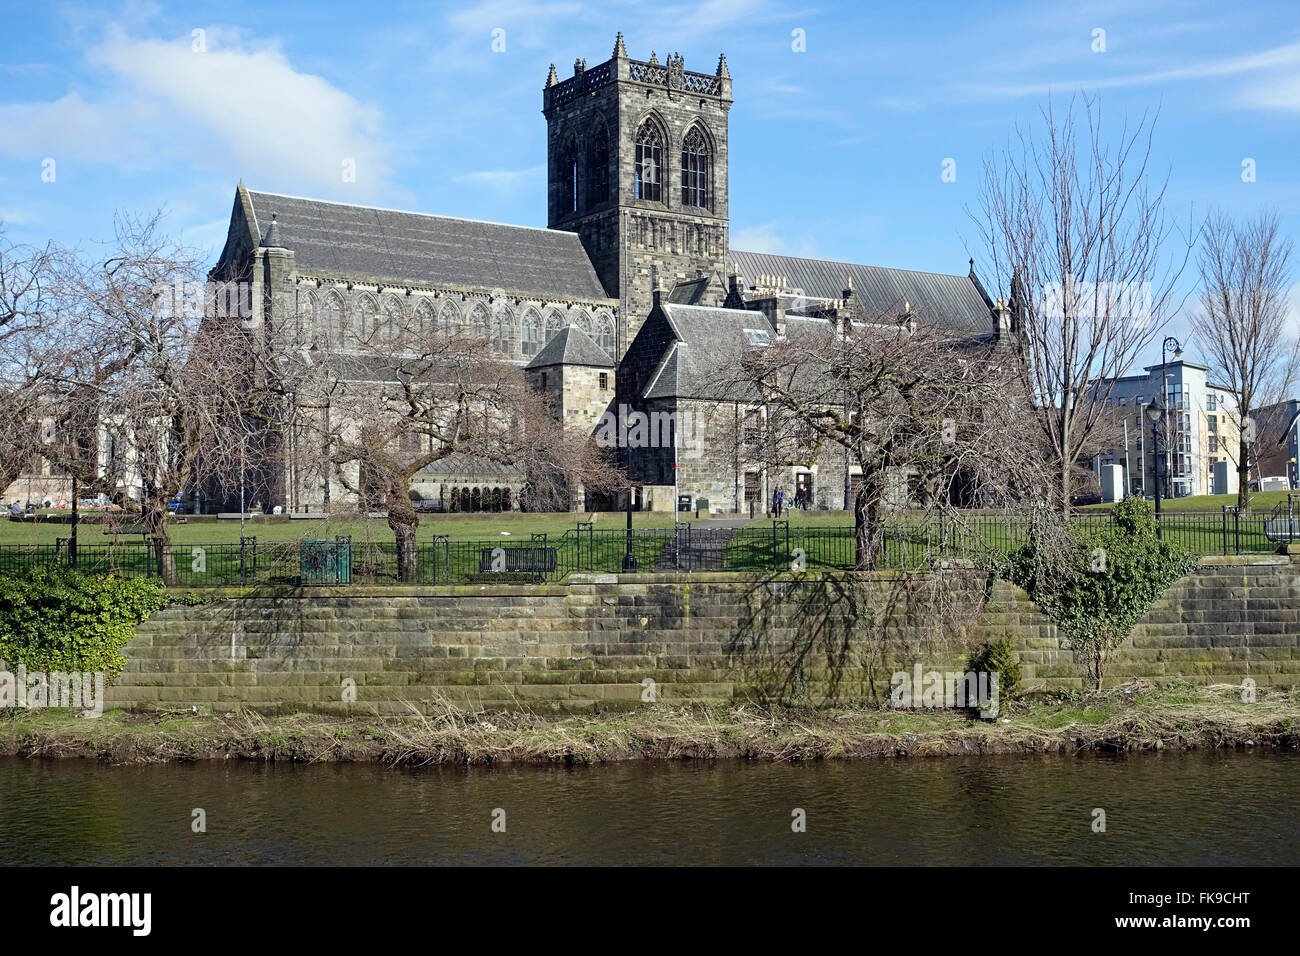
[846, 115]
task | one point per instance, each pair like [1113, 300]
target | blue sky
[836, 151]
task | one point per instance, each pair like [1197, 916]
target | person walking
[778, 501]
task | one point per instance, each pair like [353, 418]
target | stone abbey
[619, 303]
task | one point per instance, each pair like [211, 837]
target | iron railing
[905, 541]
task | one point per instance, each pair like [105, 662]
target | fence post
[1225, 529]
[1236, 521]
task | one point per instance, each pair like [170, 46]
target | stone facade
[593, 120]
[722, 637]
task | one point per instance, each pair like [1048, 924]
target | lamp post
[1155, 413]
[629, 558]
[1170, 344]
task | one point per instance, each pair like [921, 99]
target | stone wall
[596, 642]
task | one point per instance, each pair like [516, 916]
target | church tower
[637, 166]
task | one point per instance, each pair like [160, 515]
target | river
[1160, 809]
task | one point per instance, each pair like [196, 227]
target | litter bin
[684, 502]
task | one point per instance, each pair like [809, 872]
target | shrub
[998, 657]
[1099, 583]
[57, 619]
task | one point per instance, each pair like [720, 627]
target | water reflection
[1165, 809]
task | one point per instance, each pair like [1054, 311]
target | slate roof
[955, 301]
[571, 346]
[343, 239]
[689, 291]
[707, 337]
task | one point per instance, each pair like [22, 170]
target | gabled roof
[691, 291]
[955, 301]
[571, 346]
[344, 239]
[708, 337]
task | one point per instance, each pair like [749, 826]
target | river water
[1160, 809]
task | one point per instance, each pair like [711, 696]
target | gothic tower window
[597, 165]
[695, 169]
[649, 163]
[569, 172]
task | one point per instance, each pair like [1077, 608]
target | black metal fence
[906, 542]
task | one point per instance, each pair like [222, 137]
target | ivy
[1102, 582]
[57, 619]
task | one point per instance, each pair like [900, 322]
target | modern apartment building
[1200, 428]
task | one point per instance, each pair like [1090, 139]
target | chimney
[658, 291]
[1001, 321]
[907, 320]
[735, 294]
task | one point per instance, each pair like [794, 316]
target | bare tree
[388, 398]
[141, 388]
[1241, 328]
[922, 414]
[1076, 229]
[26, 307]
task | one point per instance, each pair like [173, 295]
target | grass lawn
[266, 528]
[1260, 502]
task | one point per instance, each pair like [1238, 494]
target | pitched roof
[954, 301]
[707, 338]
[689, 291]
[571, 346]
[344, 239]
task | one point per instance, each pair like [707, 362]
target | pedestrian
[778, 501]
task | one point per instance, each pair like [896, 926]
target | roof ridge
[845, 262]
[411, 212]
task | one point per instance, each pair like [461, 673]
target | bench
[1282, 529]
[519, 559]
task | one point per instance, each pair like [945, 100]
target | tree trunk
[164, 561]
[866, 523]
[1243, 472]
[403, 519]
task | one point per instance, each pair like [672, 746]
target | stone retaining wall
[609, 641]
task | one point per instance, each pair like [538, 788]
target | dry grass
[1137, 716]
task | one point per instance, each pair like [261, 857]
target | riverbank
[1135, 717]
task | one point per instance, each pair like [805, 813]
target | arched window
[649, 163]
[331, 320]
[364, 320]
[479, 324]
[394, 328]
[306, 318]
[583, 321]
[597, 164]
[554, 322]
[503, 330]
[532, 328]
[695, 169]
[425, 323]
[569, 177]
[449, 318]
[605, 334]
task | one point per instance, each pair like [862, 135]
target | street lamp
[1170, 344]
[1155, 413]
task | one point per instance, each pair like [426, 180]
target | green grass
[278, 528]
[1260, 502]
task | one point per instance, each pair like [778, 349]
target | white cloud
[1285, 56]
[239, 109]
[768, 238]
[505, 182]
